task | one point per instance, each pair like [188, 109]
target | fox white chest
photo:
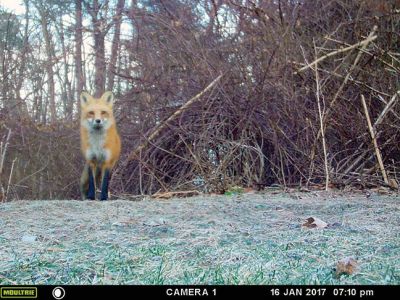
[96, 151]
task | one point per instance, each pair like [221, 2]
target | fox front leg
[87, 183]
[104, 183]
[91, 192]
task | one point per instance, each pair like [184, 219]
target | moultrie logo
[18, 292]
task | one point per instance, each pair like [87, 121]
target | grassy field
[242, 239]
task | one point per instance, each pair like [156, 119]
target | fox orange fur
[100, 143]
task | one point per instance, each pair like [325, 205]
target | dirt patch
[242, 239]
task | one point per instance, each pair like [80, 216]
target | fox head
[97, 113]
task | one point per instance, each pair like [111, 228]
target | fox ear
[85, 97]
[108, 97]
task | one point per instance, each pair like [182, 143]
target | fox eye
[103, 112]
[91, 113]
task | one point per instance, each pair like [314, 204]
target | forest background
[287, 110]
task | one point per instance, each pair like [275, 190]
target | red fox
[100, 143]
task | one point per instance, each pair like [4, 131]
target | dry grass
[242, 239]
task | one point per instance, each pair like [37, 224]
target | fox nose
[98, 121]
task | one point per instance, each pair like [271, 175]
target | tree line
[287, 109]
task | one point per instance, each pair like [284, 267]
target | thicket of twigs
[287, 109]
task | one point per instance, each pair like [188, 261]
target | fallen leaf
[313, 222]
[347, 265]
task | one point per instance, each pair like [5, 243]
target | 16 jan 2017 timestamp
[334, 291]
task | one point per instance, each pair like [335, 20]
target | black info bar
[199, 291]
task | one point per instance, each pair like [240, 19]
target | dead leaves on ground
[346, 266]
[313, 222]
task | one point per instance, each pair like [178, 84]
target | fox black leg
[104, 184]
[91, 194]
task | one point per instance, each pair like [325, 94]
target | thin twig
[332, 103]
[386, 109]
[321, 120]
[157, 131]
[360, 52]
[3, 151]
[373, 136]
[9, 179]
[363, 43]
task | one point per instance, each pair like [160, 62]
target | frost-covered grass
[243, 239]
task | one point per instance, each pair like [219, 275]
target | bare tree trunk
[99, 60]
[80, 81]
[23, 109]
[44, 103]
[212, 14]
[4, 81]
[10, 105]
[115, 45]
[99, 64]
[49, 65]
[67, 97]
